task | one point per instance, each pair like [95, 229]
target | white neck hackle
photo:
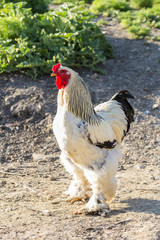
[76, 99]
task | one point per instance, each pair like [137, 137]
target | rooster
[89, 139]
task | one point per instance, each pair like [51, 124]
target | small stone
[155, 106]
[47, 212]
[137, 119]
[140, 167]
[53, 178]
[149, 147]
[147, 112]
[95, 75]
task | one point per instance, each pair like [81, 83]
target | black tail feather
[121, 97]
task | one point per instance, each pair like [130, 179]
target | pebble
[140, 167]
[155, 106]
[147, 112]
[95, 75]
[52, 178]
[149, 147]
[47, 212]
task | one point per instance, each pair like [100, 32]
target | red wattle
[62, 80]
[58, 82]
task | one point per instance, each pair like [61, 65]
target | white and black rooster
[89, 139]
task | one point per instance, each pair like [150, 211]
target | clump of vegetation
[141, 3]
[71, 1]
[137, 32]
[138, 22]
[36, 42]
[101, 22]
[37, 6]
[99, 6]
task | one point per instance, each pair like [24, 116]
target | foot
[74, 199]
[96, 205]
[76, 192]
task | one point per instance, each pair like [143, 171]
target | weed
[138, 22]
[99, 6]
[35, 42]
[138, 31]
[101, 22]
[141, 3]
[39, 6]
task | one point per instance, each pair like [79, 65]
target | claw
[78, 211]
[83, 199]
[75, 199]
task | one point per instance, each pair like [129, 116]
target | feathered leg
[101, 176]
[102, 193]
[79, 185]
[111, 187]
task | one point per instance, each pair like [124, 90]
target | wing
[116, 116]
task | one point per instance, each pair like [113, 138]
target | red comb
[56, 67]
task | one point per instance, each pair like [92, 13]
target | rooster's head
[62, 75]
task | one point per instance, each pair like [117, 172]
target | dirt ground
[32, 179]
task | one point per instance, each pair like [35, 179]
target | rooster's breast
[71, 134]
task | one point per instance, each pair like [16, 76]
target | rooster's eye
[62, 71]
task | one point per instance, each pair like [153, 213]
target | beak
[53, 74]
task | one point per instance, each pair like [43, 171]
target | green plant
[101, 22]
[150, 16]
[141, 3]
[140, 22]
[36, 42]
[138, 16]
[37, 6]
[99, 6]
[126, 19]
[71, 1]
[60, 1]
[137, 31]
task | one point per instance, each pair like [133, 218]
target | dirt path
[32, 179]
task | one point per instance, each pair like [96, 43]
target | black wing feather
[121, 97]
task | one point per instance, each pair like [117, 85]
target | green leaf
[36, 42]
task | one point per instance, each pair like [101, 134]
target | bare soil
[32, 179]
